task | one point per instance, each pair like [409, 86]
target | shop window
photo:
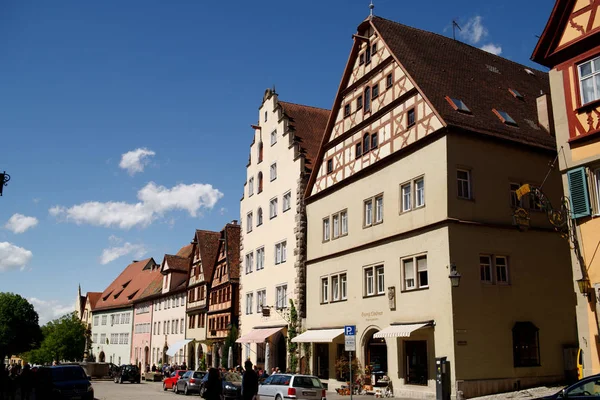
[526, 345]
[416, 362]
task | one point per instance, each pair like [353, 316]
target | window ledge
[472, 199]
[337, 301]
[414, 290]
[287, 209]
[588, 106]
[368, 296]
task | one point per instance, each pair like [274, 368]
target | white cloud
[12, 256]
[154, 202]
[49, 310]
[19, 223]
[473, 30]
[492, 48]
[136, 160]
[112, 253]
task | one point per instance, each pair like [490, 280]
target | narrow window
[273, 208]
[260, 182]
[273, 137]
[250, 186]
[422, 272]
[368, 211]
[249, 219]
[368, 55]
[408, 270]
[380, 279]
[336, 225]
[260, 258]
[501, 270]
[378, 209]
[359, 103]
[259, 217]
[361, 59]
[324, 290]
[410, 118]
[485, 269]
[358, 150]
[389, 80]
[589, 80]
[330, 165]
[419, 192]
[344, 286]
[463, 178]
[260, 151]
[265, 116]
[287, 201]
[346, 110]
[335, 288]
[406, 197]
[374, 48]
[374, 141]
[344, 218]
[366, 143]
[369, 282]
[326, 229]
[375, 90]
[367, 99]
[273, 171]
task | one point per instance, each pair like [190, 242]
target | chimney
[544, 111]
[234, 222]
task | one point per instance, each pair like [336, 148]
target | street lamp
[4, 178]
[454, 275]
[584, 286]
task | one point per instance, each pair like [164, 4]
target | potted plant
[342, 369]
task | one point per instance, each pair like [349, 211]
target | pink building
[142, 322]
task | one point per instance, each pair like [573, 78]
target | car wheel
[175, 388]
[120, 379]
[185, 390]
[164, 386]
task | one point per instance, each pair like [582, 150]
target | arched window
[260, 182]
[260, 151]
[259, 217]
[366, 142]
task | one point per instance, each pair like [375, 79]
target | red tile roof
[185, 251]
[176, 263]
[208, 248]
[93, 297]
[232, 239]
[309, 125]
[154, 288]
[129, 285]
[444, 67]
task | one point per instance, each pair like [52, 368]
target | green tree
[19, 327]
[64, 338]
[229, 342]
[292, 333]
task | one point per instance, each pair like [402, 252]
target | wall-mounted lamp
[584, 286]
[454, 275]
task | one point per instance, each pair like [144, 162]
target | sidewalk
[532, 393]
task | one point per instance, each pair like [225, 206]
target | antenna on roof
[454, 26]
[371, 7]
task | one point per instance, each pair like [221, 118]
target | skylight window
[516, 93]
[458, 105]
[492, 68]
[504, 117]
[530, 72]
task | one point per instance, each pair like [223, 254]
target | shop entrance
[281, 361]
[416, 362]
[376, 355]
[322, 360]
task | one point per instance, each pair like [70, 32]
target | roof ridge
[459, 42]
[304, 105]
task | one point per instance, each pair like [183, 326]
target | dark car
[584, 389]
[63, 382]
[232, 385]
[128, 373]
[190, 382]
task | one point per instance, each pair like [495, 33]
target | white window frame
[273, 208]
[249, 221]
[249, 259]
[485, 264]
[368, 213]
[506, 281]
[104, 319]
[462, 182]
[343, 286]
[593, 74]
[281, 296]
[343, 222]
[406, 197]
[250, 186]
[260, 258]
[325, 289]
[249, 303]
[335, 288]
[326, 229]
[416, 278]
[369, 282]
[273, 137]
[273, 171]
[380, 279]
[96, 320]
[378, 207]
[493, 268]
[287, 201]
[261, 300]
[335, 225]
[419, 199]
[281, 252]
[259, 216]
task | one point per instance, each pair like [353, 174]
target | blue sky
[175, 86]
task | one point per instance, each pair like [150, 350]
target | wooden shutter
[580, 200]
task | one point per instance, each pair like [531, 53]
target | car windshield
[233, 377]
[307, 382]
[180, 373]
[589, 388]
[68, 374]
[198, 375]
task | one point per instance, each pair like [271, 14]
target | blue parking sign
[350, 330]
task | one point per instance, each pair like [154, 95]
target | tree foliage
[19, 325]
[64, 339]
[292, 333]
[229, 342]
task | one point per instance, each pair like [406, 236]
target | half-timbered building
[570, 46]
[414, 189]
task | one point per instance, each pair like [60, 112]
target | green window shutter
[580, 199]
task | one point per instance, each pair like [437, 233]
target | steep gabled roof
[93, 297]
[185, 251]
[208, 248]
[154, 288]
[232, 239]
[441, 66]
[176, 263]
[308, 124]
[129, 285]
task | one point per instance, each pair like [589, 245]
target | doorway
[376, 356]
[102, 357]
[146, 357]
[416, 362]
[322, 360]
[281, 360]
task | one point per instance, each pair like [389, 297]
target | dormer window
[516, 94]
[458, 105]
[504, 117]
[346, 110]
[589, 80]
[368, 55]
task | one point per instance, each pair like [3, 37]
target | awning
[318, 336]
[258, 335]
[400, 330]
[174, 348]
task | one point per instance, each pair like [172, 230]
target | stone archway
[102, 357]
[375, 355]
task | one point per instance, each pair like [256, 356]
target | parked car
[190, 382]
[170, 381]
[63, 382]
[285, 386]
[582, 389]
[232, 385]
[128, 373]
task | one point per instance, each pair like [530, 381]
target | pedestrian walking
[213, 385]
[249, 382]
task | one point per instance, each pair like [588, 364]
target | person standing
[249, 382]
[214, 386]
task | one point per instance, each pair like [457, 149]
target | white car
[288, 386]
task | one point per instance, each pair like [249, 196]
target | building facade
[112, 318]
[281, 157]
[570, 46]
[204, 256]
[223, 300]
[417, 180]
[84, 307]
[142, 334]
[168, 322]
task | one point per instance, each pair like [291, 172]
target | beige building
[428, 142]
[570, 46]
[286, 140]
